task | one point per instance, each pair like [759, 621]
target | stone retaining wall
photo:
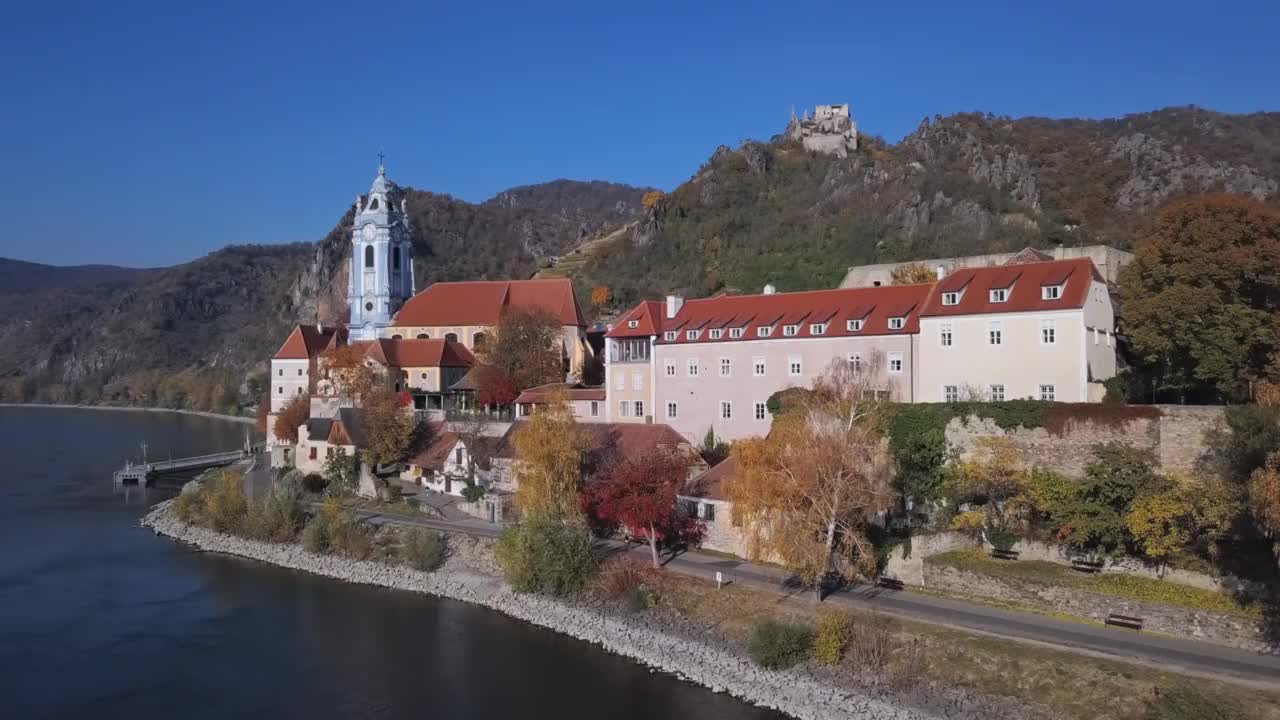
[1182, 622]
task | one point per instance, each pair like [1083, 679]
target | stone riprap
[463, 578]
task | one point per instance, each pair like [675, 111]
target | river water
[100, 618]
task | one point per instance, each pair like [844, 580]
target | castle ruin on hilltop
[831, 130]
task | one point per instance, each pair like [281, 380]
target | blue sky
[152, 133]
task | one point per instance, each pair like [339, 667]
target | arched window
[395, 258]
[451, 336]
[397, 337]
[478, 340]
[373, 204]
[368, 256]
[423, 336]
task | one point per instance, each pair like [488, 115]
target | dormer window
[670, 335]
[633, 324]
[1000, 295]
[790, 330]
[1050, 292]
[897, 323]
[950, 298]
[691, 334]
[716, 334]
[735, 333]
[818, 329]
[853, 325]
[764, 331]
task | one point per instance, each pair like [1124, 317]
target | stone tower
[381, 259]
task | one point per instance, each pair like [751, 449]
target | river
[100, 618]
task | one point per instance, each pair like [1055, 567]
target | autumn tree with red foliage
[495, 387]
[291, 418]
[640, 495]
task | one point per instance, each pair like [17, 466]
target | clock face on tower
[367, 231]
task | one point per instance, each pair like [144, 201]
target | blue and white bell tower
[381, 259]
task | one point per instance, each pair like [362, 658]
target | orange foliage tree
[527, 346]
[1264, 495]
[651, 199]
[291, 418]
[599, 296]
[351, 375]
[549, 451]
[913, 274]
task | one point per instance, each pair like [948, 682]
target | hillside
[18, 276]
[970, 183]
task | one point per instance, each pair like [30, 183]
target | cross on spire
[382, 167]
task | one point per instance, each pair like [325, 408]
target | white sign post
[719, 579]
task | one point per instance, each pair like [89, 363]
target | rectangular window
[671, 368]
[757, 366]
[708, 512]
[1048, 332]
[762, 411]
[1096, 336]
[997, 393]
[793, 366]
[693, 367]
[790, 330]
[633, 324]
[691, 335]
[950, 393]
[726, 410]
[735, 333]
[855, 362]
[1050, 292]
[896, 323]
[1048, 392]
[622, 381]
[999, 296]
[629, 350]
[951, 298]
[637, 381]
[853, 325]
[818, 329]
[895, 363]
[639, 408]
[312, 455]
[726, 367]
[279, 391]
[715, 334]
[764, 331]
[944, 333]
[1108, 338]
[672, 410]
[995, 332]
[670, 335]
[299, 372]
[624, 408]
[595, 408]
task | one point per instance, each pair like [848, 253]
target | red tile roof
[710, 484]
[1024, 294]
[617, 442]
[482, 302]
[434, 455]
[307, 341]
[874, 305]
[418, 353]
[647, 315]
[544, 393]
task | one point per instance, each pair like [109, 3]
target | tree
[350, 373]
[1202, 296]
[545, 556]
[599, 295]
[1160, 524]
[640, 495]
[527, 345]
[650, 199]
[549, 450]
[1264, 496]
[495, 388]
[291, 417]
[913, 274]
[713, 449]
[341, 471]
[804, 493]
[992, 478]
[389, 429]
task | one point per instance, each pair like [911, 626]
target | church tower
[381, 260]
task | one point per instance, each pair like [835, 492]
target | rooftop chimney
[770, 289]
[674, 303]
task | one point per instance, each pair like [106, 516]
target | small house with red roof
[585, 403]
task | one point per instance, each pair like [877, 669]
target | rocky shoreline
[794, 692]
[130, 408]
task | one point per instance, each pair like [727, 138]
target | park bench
[892, 583]
[1087, 566]
[1124, 621]
[1004, 554]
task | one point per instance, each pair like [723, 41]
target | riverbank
[470, 575]
[127, 408]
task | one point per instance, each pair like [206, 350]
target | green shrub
[636, 600]
[278, 516]
[335, 529]
[315, 539]
[422, 549]
[834, 632]
[545, 556]
[1000, 538]
[189, 505]
[777, 645]
[1184, 702]
[473, 493]
[226, 506]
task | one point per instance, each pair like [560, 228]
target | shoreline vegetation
[860, 665]
[131, 408]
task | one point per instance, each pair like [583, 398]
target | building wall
[698, 397]
[573, 338]
[323, 451]
[289, 378]
[1109, 260]
[1100, 326]
[719, 534]
[628, 382]
[1021, 363]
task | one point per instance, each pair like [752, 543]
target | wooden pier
[140, 473]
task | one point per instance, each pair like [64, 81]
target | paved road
[1176, 654]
